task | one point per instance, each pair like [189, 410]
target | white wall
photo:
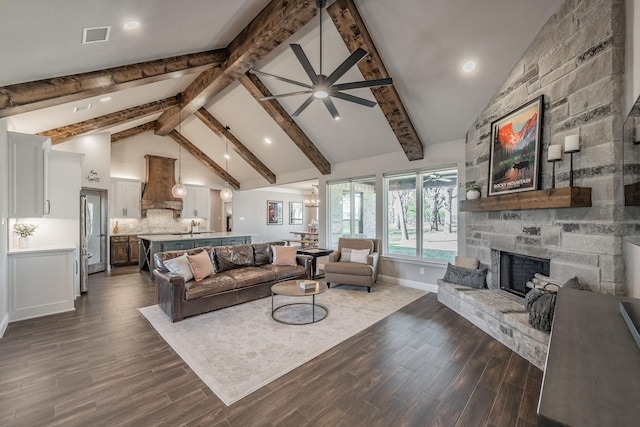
[250, 214]
[4, 214]
[632, 54]
[96, 164]
[392, 269]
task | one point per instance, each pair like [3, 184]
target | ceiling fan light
[320, 93]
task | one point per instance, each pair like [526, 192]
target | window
[421, 218]
[352, 209]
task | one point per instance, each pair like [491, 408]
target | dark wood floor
[104, 365]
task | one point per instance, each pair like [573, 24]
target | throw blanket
[540, 304]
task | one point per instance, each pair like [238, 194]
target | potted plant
[24, 231]
[473, 190]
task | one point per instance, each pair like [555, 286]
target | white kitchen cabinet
[28, 162]
[65, 183]
[124, 200]
[196, 204]
[41, 282]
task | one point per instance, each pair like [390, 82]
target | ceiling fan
[325, 87]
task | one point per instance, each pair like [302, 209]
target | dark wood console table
[592, 374]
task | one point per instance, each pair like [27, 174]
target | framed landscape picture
[295, 213]
[514, 163]
[274, 212]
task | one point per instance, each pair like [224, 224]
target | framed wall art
[295, 213]
[274, 212]
[514, 163]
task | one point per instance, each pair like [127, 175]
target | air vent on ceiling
[95, 34]
[81, 108]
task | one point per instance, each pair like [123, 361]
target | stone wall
[577, 63]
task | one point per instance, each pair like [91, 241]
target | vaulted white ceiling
[423, 44]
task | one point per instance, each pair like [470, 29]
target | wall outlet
[421, 270]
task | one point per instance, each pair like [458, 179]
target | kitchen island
[152, 243]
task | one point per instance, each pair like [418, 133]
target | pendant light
[226, 194]
[179, 190]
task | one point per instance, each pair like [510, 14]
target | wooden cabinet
[124, 200]
[177, 246]
[40, 283]
[28, 162]
[64, 182]
[196, 204]
[123, 250]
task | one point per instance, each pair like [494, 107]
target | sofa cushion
[284, 255]
[211, 285]
[284, 271]
[475, 278]
[200, 265]
[249, 276]
[232, 257]
[352, 268]
[261, 254]
[180, 265]
[160, 257]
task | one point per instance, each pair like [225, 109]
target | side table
[314, 253]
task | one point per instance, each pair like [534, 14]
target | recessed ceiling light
[267, 140]
[469, 66]
[105, 99]
[81, 108]
[130, 25]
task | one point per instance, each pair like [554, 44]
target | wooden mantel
[566, 197]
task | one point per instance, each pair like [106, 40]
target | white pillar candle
[637, 135]
[572, 143]
[555, 152]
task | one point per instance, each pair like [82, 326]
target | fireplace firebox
[516, 270]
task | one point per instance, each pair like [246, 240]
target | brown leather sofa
[353, 273]
[241, 273]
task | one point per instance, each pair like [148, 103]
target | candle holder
[571, 152]
[553, 172]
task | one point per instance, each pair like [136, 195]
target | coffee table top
[314, 251]
[292, 288]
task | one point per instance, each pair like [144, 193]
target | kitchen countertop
[51, 248]
[187, 236]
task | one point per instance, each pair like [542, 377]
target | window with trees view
[352, 209]
[422, 214]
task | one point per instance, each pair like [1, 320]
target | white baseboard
[428, 287]
[3, 324]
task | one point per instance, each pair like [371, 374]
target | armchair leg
[368, 289]
[328, 285]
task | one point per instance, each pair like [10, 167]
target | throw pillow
[359, 255]
[345, 254]
[284, 255]
[572, 283]
[180, 266]
[475, 278]
[200, 265]
[466, 262]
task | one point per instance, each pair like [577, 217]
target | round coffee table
[291, 288]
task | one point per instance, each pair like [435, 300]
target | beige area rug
[237, 350]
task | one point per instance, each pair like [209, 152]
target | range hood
[161, 177]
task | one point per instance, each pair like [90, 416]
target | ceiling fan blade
[304, 105]
[352, 60]
[331, 107]
[355, 99]
[304, 61]
[284, 79]
[301, 92]
[364, 83]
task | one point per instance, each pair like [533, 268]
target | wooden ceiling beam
[204, 159]
[353, 31]
[219, 129]
[128, 133]
[277, 112]
[30, 96]
[65, 132]
[273, 25]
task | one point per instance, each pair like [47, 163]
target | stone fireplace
[515, 270]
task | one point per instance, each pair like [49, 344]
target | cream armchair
[353, 273]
